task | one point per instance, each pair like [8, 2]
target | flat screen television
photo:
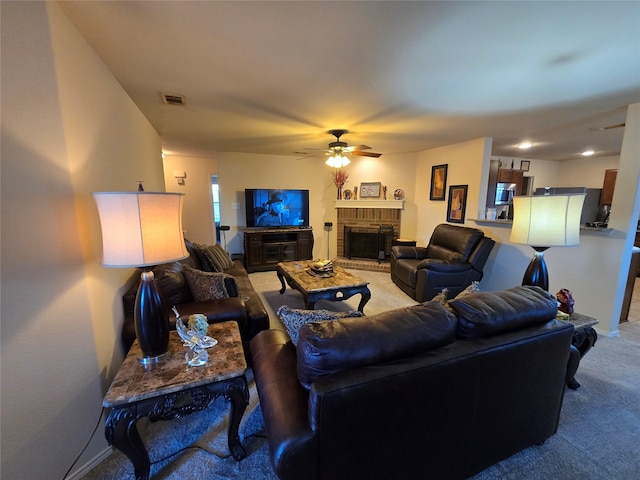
[276, 208]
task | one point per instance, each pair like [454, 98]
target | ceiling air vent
[172, 99]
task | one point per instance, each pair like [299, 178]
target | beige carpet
[384, 295]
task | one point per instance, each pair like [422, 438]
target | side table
[171, 389]
[584, 337]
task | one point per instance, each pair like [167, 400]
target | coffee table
[341, 286]
[171, 389]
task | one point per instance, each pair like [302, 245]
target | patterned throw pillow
[473, 288]
[441, 297]
[294, 318]
[219, 257]
[203, 259]
[205, 286]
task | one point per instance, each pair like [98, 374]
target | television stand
[264, 248]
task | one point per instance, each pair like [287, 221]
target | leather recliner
[453, 259]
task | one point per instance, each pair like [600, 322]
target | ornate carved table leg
[237, 393]
[122, 433]
[366, 296]
[284, 285]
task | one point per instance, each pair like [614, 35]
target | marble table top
[581, 321]
[300, 273]
[135, 381]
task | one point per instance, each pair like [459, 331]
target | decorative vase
[339, 193]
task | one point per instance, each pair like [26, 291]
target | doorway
[215, 197]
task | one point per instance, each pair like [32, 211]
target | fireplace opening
[367, 242]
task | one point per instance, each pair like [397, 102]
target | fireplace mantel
[393, 204]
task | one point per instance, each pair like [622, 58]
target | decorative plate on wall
[347, 194]
[398, 194]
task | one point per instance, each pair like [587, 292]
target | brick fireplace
[368, 216]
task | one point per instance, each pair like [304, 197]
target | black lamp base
[151, 320]
[536, 273]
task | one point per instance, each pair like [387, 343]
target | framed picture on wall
[457, 203]
[524, 165]
[438, 182]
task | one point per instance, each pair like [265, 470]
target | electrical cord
[177, 452]
[86, 445]
[211, 452]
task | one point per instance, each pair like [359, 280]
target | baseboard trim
[90, 465]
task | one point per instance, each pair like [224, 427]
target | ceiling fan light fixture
[337, 161]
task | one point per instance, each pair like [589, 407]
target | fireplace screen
[368, 242]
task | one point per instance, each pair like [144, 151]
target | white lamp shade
[140, 229]
[547, 220]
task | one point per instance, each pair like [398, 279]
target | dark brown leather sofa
[417, 392]
[244, 306]
[453, 259]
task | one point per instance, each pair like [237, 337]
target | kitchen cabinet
[507, 175]
[608, 186]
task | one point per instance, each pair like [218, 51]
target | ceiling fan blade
[358, 153]
[360, 147]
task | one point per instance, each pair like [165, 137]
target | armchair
[453, 259]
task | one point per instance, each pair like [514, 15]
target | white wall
[585, 172]
[197, 215]
[68, 128]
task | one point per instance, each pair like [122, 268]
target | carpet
[598, 436]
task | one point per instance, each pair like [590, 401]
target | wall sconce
[180, 176]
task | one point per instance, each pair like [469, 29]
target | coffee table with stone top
[313, 287]
[171, 389]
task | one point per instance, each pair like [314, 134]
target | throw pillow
[203, 259]
[473, 288]
[205, 286]
[220, 256]
[441, 297]
[294, 318]
[213, 260]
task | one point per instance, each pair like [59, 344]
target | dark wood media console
[265, 248]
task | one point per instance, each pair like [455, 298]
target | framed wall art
[370, 189]
[524, 165]
[457, 203]
[438, 182]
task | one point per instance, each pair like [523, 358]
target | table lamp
[544, 221]
[143, 229]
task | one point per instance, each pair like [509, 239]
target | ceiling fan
[338, 150]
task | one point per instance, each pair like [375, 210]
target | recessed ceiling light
[525, 145]
[588, 153]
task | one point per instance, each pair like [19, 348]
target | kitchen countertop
[508, 223]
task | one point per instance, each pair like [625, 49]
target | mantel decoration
[340, 177]
[370, 189]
